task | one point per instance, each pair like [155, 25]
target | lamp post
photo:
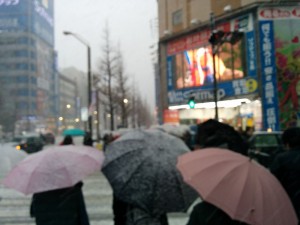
[212, 27]
[89, 75]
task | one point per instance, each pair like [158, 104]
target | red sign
[279, 13]
[194, 40]
[171, 116]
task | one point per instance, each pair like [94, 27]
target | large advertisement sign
[14, 15]
[190, 65]
[283, 24]
[28, 15]
[269, 81]
[43, 21]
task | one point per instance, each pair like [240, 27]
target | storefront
[190, 73]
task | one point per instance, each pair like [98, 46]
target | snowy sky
[131, 24]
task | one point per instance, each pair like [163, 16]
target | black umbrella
[141, 168]
[213, 133]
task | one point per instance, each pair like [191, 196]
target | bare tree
[143, 113]
[122, 90]
[107, 67]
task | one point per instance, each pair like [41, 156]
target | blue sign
[170, 73]
[268, 71]
[43, 21]
[206, 93]
[251, 54]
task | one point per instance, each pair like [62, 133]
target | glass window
[22, 92]
[23, 40]
[22, 79]
[22, 66]
[33, 80]
[22, 105]
[177, 17]
[21, 53]
[32, 67]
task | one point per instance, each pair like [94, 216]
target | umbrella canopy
[9, 158]
[213, 133]
[74, 132]
[54, 168]
[141, 168]
[243, 189]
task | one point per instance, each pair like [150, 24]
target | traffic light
[216, 37]
[236, 37]
[219, 37]
[191, 102]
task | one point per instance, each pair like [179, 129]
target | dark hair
[87, 140]
[68, 140]
[291, 136]
[213, 133]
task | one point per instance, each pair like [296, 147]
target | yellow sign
[251, 85]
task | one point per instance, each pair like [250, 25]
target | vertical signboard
[268, 76]
[285, 38]
[42, 20]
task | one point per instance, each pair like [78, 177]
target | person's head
[87, 140]
[291, 137]
[216, 134]
[68, 140]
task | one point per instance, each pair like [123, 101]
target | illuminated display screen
[194, 67]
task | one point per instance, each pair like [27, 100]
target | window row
[17, 66]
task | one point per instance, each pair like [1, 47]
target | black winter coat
[286, 167]
[60, 207]
[126, 214]
[207, 214]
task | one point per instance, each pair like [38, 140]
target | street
[14, 206]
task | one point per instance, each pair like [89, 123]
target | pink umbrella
[243, 189]
[54, 168]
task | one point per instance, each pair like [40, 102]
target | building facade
[27, 65]
[250, 72]
[79, 80]
[69, 115]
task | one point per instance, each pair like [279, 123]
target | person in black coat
[286, 166]
[87, 140]
[127, 214]
[68, 140]
[207, 214]
[212, 133]
[60, 207]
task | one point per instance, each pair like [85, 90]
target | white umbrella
[10, 156]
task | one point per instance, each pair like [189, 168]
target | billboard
[42, 12]
[280, 42]
[190, 64]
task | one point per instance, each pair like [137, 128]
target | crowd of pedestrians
[66, 206]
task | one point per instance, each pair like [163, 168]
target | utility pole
[214, 52]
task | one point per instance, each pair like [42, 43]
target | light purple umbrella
[54, 168]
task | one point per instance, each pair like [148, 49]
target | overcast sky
[131, 23]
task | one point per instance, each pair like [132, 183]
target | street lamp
[89, 74]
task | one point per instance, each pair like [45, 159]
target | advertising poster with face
[285, 23]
